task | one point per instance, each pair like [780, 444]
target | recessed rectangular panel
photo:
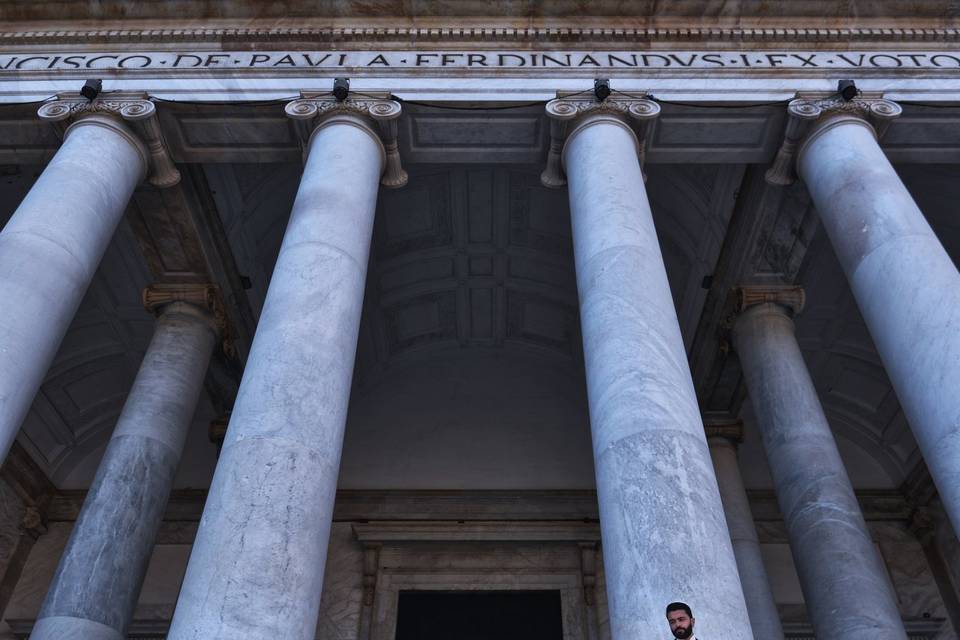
[240, 133]
[930, 136]
[473, 136]
[705, 135]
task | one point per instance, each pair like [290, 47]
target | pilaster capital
[379, 111]
[790, 298]
[206, 297]
[568, 112]
[134, 109]
[808, 114]
[731, 430]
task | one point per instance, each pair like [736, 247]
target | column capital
[133, 109]
[726, 428]
[157, 297]
[811, 114]
[789, 297]
[569, 112]
[378, 112]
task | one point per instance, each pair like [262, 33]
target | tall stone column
[662, 522]
[764, 617]
[907, 287]
[839, 567]
[50, 248]
[256, 569]
[95, 589]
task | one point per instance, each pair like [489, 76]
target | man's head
[681, 620]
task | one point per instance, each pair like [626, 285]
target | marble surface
[49, 251]
[665, 536]
[834, 555]
[256, 568]
[886, 248]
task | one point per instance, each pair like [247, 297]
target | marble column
[95, 589]
[50, 249]
[905, 283]
[764, 617]
[847, 592]
[664, 533]
[256, 569]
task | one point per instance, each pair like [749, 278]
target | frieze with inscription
[478, 60]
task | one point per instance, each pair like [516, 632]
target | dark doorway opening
[479, 615]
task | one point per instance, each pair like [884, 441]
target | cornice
[409, 35]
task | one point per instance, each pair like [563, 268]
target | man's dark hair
[677, 606]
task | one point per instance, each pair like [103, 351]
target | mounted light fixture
[601, 89]
[341, 88]
[847, 90]
[91, 89]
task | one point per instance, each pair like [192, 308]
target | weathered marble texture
[256, 569]
[97, 584]
[50, 249]
[764, 618]
[342, 598]
[834, 555]
[664, 533]
[906, 285]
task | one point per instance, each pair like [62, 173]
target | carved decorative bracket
[134, 108]
[310, 109]
[204, 296]
[804, 111]
[730, 429]
[789, 296]
[565, 110]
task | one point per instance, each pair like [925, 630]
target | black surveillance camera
[341, 88]
[91, 89]
[847, 90]
[601, 89]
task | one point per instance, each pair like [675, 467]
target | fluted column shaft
[664, 533]
[839, 567]
[95, 589]
[256, 569]
[907, 287]
[764, 617]
[50, 249]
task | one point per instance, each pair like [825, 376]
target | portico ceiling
[474, 258]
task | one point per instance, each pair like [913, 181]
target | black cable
[250, 103]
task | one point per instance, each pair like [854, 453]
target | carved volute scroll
[311, 109]
[803, 112]
[204, 296]
[134, 108]
[565, 111]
